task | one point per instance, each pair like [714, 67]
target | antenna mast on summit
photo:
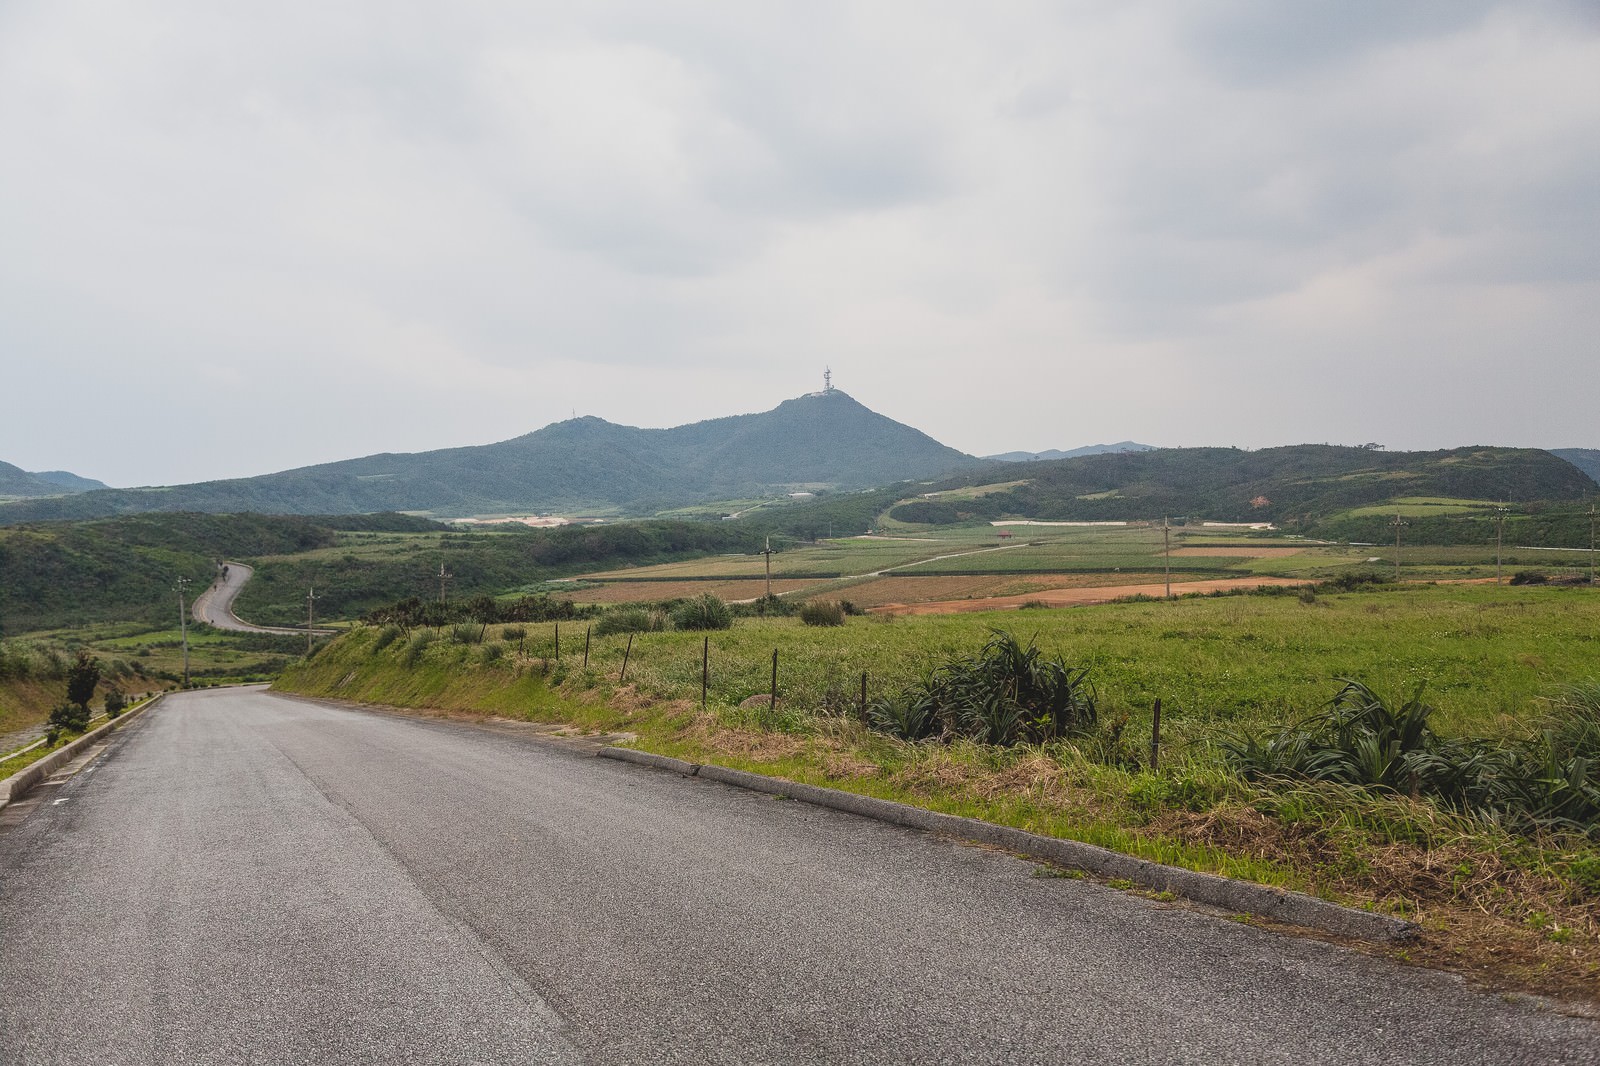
[827, 379]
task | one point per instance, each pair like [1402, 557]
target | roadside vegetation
[1270, 766]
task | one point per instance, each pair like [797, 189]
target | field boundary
[1241, 897]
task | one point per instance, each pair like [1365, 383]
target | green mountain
[14, 481]
[1302, 484]
[1585, 459]
[823, 440]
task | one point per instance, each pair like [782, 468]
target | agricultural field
[972, 563]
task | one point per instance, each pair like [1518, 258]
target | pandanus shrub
[1008, 693]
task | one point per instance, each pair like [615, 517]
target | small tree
[83, 677]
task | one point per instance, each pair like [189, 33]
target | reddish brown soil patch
[1071, 597]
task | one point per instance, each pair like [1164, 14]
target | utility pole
[1499, 539]
[183, 626]
[1166, 540]
[444, 575]
[1398, 523]
[1591, 544]
[768, 554]
[311, 599]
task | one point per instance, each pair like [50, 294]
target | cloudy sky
[237, 238]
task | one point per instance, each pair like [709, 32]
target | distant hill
[1300, 484]
[1072, 453]
[14, 481]
[69, 481]
[1585, 459]
[822, 440]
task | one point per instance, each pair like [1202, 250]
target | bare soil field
[1071, 597]
[909, 589]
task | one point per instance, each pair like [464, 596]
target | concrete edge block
[20, 783]
[645, 758]
[1241, 897]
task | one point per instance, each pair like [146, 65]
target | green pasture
[214, 655]
[1488, 655]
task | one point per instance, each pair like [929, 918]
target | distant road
[247, 878]
[214, 606]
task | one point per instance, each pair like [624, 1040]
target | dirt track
[1073, 597]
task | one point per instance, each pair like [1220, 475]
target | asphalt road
[214, 606]
[242, 877]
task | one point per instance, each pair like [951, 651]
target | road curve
[214, 606]
[243, 877]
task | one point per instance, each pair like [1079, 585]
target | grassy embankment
[1523, 911]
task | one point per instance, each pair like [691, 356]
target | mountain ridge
[823, 440]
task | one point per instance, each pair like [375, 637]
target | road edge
[1242, 897]
[22, 782]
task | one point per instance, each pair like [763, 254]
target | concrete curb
[20, 783]
[1244, 897]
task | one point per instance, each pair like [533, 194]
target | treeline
[1548, 529]
[480, 563]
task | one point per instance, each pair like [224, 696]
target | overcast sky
[236, 238]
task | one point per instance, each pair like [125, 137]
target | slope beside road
[214, 606]
[247, 877]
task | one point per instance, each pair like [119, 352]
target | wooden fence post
[705, 671]
[1155, 736]
[773, 706]
[586, 634]
[622, 677]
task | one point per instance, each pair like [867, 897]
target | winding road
[244, 877]
[214, 606]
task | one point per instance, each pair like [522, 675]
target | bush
[116, 703]
[1006, 694]
[1529, 577]
[1361, 740]
[706, 612]
[387, 636]
[822, 613]
[1350, 580]
[69, 718]
[775, 606]
[416, 646]
[629, 620]
[15, 662]
[466, 633]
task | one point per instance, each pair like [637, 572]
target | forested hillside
[1299, 485]
[126, 569]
